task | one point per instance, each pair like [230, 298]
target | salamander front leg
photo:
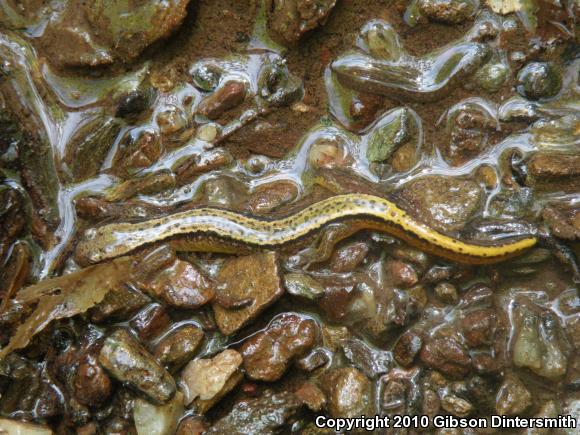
[323, 245]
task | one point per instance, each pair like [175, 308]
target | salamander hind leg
[322, 247]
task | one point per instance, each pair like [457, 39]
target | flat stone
[254, 276]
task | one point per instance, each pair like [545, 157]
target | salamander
[216, 230]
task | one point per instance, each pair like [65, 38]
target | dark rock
[268, 354]
[150, 322]
[407, 348]
[372, 362]
[311, 396]
[446, 292]
[447, 355]
[230, 95]
[401, 274]
[545, 168]
[192, 426]
[119, 304]
[128, 362]
[513, 398]
[132, 104]
[478, 327]
[92, 384]
[289, 20]
[178, 283]
[314, 360]
[264, 415]
[448, 11]
[539, 80]
[179, 347]
[347, 258]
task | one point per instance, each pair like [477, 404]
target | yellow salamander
[216, 230]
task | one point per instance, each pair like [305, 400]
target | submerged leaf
[66, 296]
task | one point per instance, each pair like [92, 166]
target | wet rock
[314, 360]
[119, 304]
[407, 348]
[254, 276]
[492, 76]
[206, 381]
[477, 295]
[447, 11]
[539, 80]
[16, 427]
[347, 391]
[179, 347]
[148, 184]
[417, 258]
[573, 374]
[268, 355]
[11, 207]
[138, 149]
[172, 121]
[311, 396]
[446, 292]
[401, 274]
[486, 363]
[206, 76]
[337, 300]
[404, 77]
[92, 385]
[394, 396]
[436, 274]
[327, 154]
[447, 355]
[548, 410]
[469, 125]
[230, 95]
[181, 285]
[346, 258]
[395, 129]
[223, 192]
[202, 163]
[546, 168]
[456, 406]
[303, 286]
[478, 327]
[94, 138]
[132, 104]
[268, 197]
[276, 85]
[289, 20]
[128, 362]
[264, 415]
[363, 110]
[371, 361]
[158, 419]
[513, 398]
[538, 342]
[564, 222]
[149, 322]
[444, 203]
[192, 426]
[100, 32]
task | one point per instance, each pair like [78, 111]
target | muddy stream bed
[463, 113]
